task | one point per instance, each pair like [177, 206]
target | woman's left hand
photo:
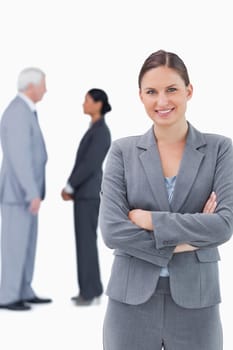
[141, 218]
[66, 196]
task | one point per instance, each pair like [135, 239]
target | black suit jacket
[86, 176]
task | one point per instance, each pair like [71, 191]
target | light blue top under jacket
[170, 185]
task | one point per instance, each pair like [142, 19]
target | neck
[29, 95]
[95, 117]
[172, 133]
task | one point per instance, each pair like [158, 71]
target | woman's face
[164, 95]
[90, 106]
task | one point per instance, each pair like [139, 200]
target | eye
[150, 92]
[172, 89]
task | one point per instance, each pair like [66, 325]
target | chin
[161, 121]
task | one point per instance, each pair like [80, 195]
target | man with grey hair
[22, 188]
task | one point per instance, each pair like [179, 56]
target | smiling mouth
[164, 112]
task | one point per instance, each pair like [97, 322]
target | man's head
[31, 82]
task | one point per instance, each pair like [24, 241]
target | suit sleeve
[94, 156]
[199, 229]
[18, 140]
[117, 230]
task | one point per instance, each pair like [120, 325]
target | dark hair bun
[100, 95]
[106, 108]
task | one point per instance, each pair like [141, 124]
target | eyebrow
[167, 87]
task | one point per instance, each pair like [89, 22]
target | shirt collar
[28, 101]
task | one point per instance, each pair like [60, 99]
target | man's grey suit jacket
[22, 176]
[133, 179]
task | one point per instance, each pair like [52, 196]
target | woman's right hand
[209, 208]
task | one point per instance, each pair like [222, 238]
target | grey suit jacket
[133, 178]
[22, 175]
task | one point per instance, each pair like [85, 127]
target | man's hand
[34, 206]
[66, 196]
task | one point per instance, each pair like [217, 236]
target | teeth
[167, 111]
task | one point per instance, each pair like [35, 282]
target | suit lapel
[150, 159]
[190, 163]
[186, 176]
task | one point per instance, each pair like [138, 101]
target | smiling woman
[166, 206]
[164, 88]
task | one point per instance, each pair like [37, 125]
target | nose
[162, 100]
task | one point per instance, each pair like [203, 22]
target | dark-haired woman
[166, 206]
[83, 187]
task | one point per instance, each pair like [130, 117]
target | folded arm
[143, 219]
[117, 229]
[201, 229]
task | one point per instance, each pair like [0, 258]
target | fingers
[34, 211]
[35, 206]
[134, 215]
[66, 196]
[131, 215]
[184, 247]
[211, 204]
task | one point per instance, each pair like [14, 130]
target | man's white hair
[29, 76]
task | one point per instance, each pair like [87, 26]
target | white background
[84, 44]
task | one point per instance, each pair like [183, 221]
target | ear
[99, 105]
[189, 91]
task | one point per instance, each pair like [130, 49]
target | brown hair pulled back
[164, 58]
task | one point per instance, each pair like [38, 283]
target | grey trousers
[161, 324]
[18, 246]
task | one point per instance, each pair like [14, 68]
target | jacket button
[161, 252]
[168, 242]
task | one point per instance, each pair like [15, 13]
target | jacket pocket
[118, 252]
[118, 283]
[208, 255]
